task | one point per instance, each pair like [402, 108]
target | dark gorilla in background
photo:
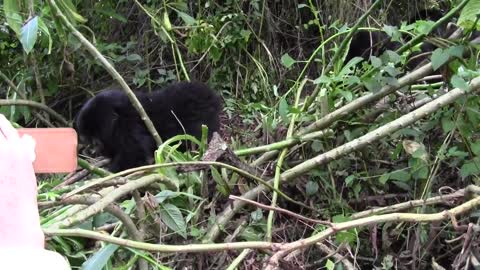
[365, 43]
[111, 122]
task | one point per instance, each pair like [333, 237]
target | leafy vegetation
[329, 140]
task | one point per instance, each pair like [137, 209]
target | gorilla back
[111, 122]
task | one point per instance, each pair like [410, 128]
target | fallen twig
[281, 210]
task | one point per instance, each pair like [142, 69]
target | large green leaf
[173, 218]
[283, 109]
[469, 14]
[145, 255]
[100, 259]
[439, 57]
[70, 11]
[470, 168]
[287, 60]
[189, 20]
[12, 14]
[43, 27]
[28, 35]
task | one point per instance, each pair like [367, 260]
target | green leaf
[103, 218]
[349, 180]
[145, 255]
[173, 218]
[28, 35]
[311, 188]
[393, 32]
[330, 265]
[287, 60]
[384, 178]
[352, 63]
[166, 21]
[393, 56]
[469, 14]
[421, 173]
[387, 262]
[476, 147]
[12, 14]
[70, 10]
[470, 168]
[372, 85]
[400, 175]
[100, 258]
[459, 82]
[376, 62]
[250, 234]
[423, 27]
[447, 124]
[257, 215]
[189, 20]
[439, 57]
[402, 185]
[323, 80]
[349, 67]
[283, 109]
[222, 186]
[245, 34]
[456, 51]
[44, 29]
[317, 146]
[165, 194]
[134, 58]
[454, 152]
[420, 153]
[348, 236]
[352, 80]
[347, 95]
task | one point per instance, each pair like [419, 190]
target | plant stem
[110, 69]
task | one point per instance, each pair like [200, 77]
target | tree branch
[36, 105]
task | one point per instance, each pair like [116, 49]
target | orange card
[55, 150]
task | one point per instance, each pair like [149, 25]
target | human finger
[7, 130]
[28, 144]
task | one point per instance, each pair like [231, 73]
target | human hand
[19, 217]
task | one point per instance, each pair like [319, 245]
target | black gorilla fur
[110, 120]
[365, 43]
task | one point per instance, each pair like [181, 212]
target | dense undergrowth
[280, 68]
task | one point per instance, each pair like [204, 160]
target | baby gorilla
[111, 122]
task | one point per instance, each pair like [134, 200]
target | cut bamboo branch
[159, 247]
[395, 217]
[280, 250]
[283, 144]
[113, 209]
[410, 204]
[108, 199]
[355, 105]
[345, 149]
